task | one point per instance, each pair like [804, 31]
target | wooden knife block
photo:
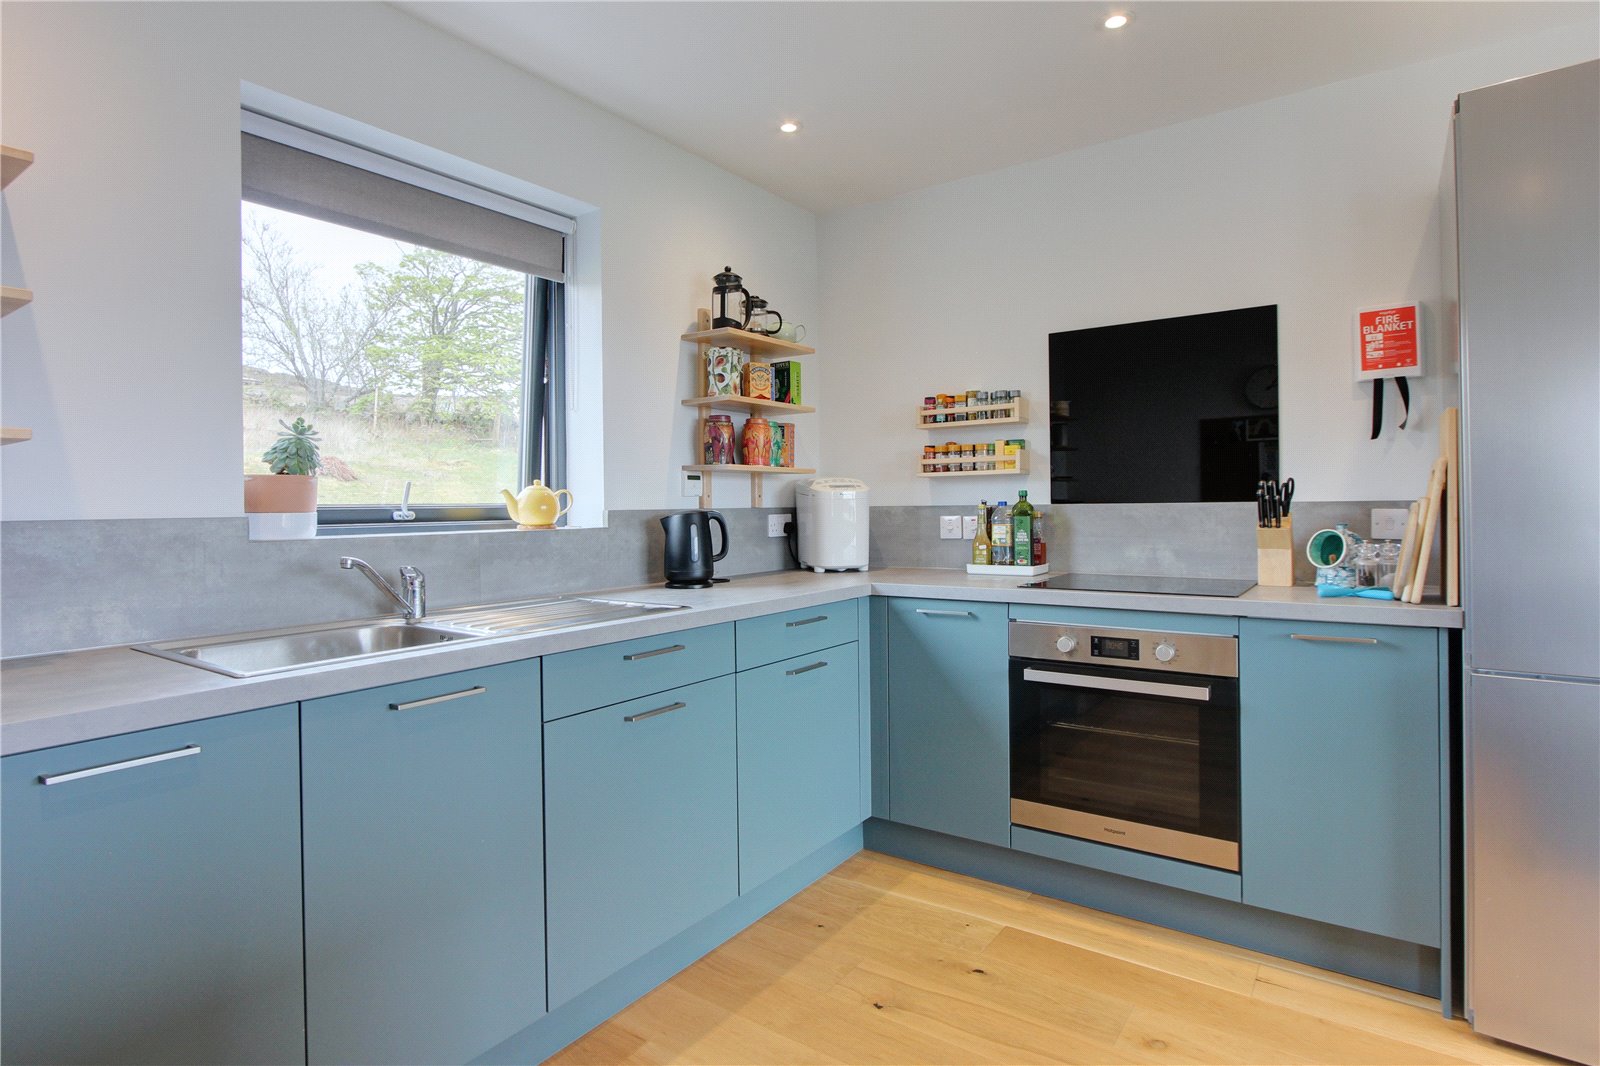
[1275, 555]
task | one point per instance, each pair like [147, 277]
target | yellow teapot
[535, 507]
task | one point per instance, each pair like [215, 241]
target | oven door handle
[1118, 684]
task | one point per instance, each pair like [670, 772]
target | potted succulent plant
[282, 505]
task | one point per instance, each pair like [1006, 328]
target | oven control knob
[1166, 651]
[1067, 644]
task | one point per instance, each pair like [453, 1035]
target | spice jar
[717, 440]
[757, 441]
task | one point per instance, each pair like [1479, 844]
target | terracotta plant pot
[280, 493]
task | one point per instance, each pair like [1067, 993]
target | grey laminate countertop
[46, 700]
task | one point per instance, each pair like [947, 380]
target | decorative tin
[757, 441]
[718, 440]
[778, 431]
[724, 370]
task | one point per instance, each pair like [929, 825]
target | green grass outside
[445, 464]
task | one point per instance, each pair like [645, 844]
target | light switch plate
[775, 524]
[949, 527]
[691, 483]
[969, 526]
[1389, 523]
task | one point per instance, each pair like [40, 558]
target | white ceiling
[895, 96]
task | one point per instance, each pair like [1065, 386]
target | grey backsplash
[1187, 539]
[69, 585]
[86, 584]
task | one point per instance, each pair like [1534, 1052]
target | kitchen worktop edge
[67, 697]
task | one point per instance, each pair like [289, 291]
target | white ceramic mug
[791, 331]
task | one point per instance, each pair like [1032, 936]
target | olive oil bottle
[1022, 530]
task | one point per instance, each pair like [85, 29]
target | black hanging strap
[1377, 404]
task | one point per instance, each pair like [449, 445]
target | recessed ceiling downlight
[790, 127]
[1116, 22]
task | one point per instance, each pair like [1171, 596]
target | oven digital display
[1114, 648]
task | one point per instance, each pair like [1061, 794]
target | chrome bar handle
[642, 715]
[805, 621]
[944, 614]
[126, 764]
[1118, 684]
[476, 690]
[805, 669]
[1333, 640]
[652, 654]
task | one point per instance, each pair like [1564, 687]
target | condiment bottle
[1000, 535]
[981, 543]
[1022, 530]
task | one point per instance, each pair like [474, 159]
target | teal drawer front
[641, 828]
[799, 759]
[1159, 621]
[424, 910]
[1339, 782]
[582, 680]
[783, 636]
[152, 909]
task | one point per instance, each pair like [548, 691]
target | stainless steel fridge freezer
[1527, 184]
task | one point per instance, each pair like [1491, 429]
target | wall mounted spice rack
[1013, 412]
[755, 345]
[1019, 461]
[1010, 412]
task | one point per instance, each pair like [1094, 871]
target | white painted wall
[1321, 203]
[127, 364]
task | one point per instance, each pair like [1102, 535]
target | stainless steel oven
[1127, 737]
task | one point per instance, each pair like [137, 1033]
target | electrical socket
[692, 480]
[949, 527]
[775, 524]
[1389, 523]
[969, 526]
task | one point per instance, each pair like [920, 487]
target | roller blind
[290, 179]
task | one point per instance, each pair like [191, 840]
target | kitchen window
[416, 320]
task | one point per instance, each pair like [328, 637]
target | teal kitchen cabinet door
[641, 828]
[423, 867]
[949, 718]
[151, 896]
[799, 759]
[1339, 775]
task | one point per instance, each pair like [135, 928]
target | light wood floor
[887, 961]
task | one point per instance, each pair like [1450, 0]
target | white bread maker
[832, 516]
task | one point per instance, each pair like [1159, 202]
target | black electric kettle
[688, 555]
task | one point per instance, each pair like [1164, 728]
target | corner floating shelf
[14, 435]
[13, 161]
[1020, 459]
[758, 345]
[11, 299]
[754, 343]
[751, 404]
[1012, 413]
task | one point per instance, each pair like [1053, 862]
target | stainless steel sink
[250, 654]
[544, 615]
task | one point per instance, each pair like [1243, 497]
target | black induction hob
[1164, 586]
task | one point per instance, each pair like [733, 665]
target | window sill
[408, 529]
